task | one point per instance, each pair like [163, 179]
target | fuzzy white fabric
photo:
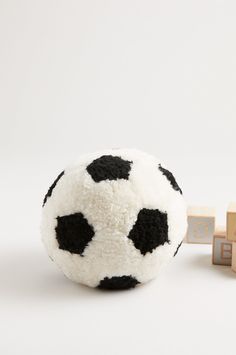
[112, 207]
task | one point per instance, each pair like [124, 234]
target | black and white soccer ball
[113, 219]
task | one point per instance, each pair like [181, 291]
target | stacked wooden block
[221, 248]
[201, 230]
[231, 231]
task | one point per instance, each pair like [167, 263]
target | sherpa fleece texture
[117, 214]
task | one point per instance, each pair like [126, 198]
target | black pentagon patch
[109, 167]
[178, 248]
[171, 178]
[150, 230]
[49, 193]
[118, 283]
[73, 233]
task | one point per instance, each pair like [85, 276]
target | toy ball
[113, 219]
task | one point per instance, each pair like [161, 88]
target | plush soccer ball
[113, 219]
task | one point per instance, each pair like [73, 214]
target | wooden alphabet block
[201, 225]
[234, 256]
[221, 249]
[231, 222]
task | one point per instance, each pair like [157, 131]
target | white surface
[189, 309]
[78, 76]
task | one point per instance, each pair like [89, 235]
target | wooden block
[201, 225]
[231, 222]
[221, 249]
[234, 256]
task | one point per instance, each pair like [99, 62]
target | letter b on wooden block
[222, 249]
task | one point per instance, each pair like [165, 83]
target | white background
[78, 76]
